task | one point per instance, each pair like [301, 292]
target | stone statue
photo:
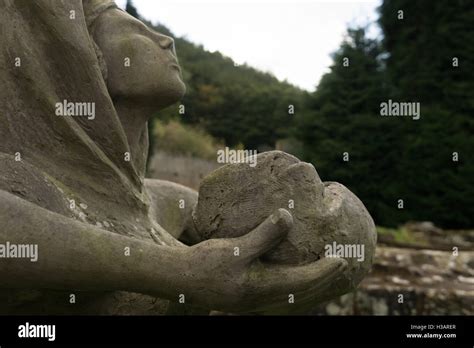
[79, 79]
[328, 219]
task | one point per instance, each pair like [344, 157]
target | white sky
[292, 39]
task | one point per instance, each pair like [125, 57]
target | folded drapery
[49, 58]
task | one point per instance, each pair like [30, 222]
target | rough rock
[237, 197]
[411, 282]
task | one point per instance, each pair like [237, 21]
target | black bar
[241, 329]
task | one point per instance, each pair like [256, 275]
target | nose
[166, 42]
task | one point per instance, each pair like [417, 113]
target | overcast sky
[292, 39]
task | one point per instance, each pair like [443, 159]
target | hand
[226, 275]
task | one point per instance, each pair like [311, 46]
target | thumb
[267, 235]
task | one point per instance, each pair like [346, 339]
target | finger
[311, 284]
[281, 279]
[267, 235]
[308, 283]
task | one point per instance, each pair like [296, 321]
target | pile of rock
[412, 282]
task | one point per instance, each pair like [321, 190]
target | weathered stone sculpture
[79, 79]
[329, 220]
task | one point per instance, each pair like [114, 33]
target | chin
[176, 90]
[182, 89]
[156, 96]
[173, 93]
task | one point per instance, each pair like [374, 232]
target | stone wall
[407, 281]
[184, 170]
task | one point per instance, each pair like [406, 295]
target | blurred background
[308, 78]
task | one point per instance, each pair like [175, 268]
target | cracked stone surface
[237, 197]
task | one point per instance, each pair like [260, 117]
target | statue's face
[141, 63]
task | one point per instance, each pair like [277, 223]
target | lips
[175, 66]
[173, 63]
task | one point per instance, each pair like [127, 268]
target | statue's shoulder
[24, 180]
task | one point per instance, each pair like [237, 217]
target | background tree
[131, 9]
[430, 48]
[424, 55]
[342, 132]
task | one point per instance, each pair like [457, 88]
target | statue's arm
[74, 255]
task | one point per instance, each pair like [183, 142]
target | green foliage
[390, 158]
[176, 138]
[131, 9]
[394, 158]
[420, 68]
[344, 120]
[235, 103]
[401, 235]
